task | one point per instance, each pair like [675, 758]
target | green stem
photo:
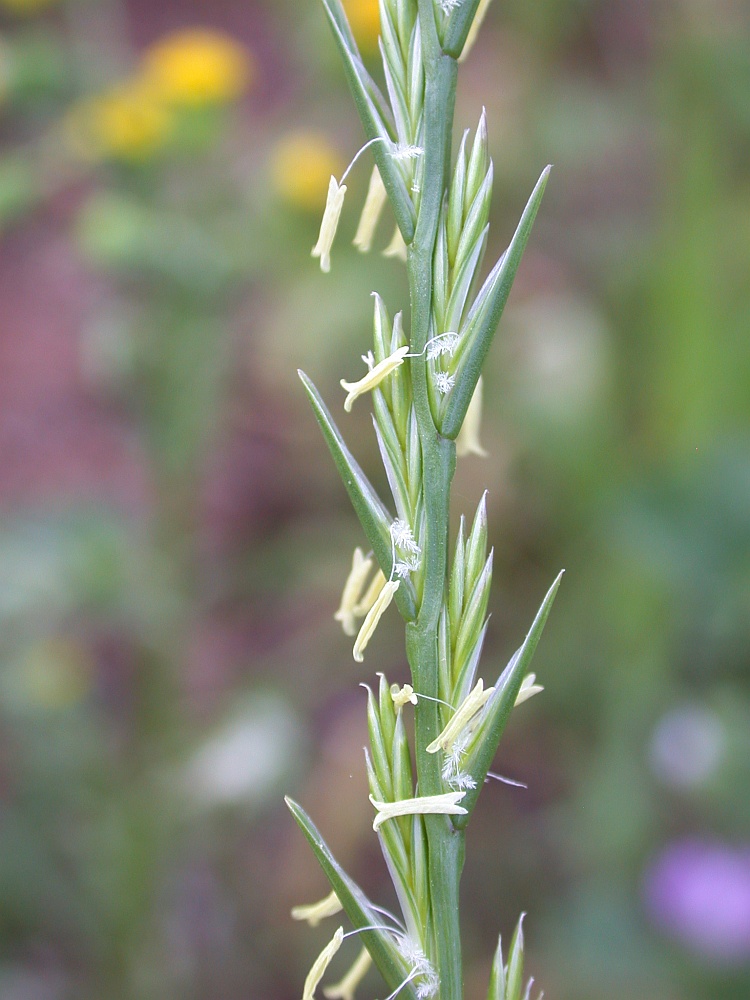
[445, 844]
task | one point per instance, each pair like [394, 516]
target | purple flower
[698, 891]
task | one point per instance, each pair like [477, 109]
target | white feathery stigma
[444, 343]
[444, 382]
[406, 151]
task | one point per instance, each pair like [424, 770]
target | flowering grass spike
[423, 381]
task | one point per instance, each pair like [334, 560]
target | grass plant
[423, 379]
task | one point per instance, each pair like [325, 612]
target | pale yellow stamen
[528, 689]
[467, 442]
[472, 703]
[402, 696]
[351, 595]
[446, 803]
[374, 377]
[384, 598]
[397, 247]
[370, 595]
[313, 913]
[344, 990]
[474, 29]
[321, 963]
[376, 198]
[329, 225]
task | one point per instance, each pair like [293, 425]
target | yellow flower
[396, 248]
[321, 963]
[374, 615]
[376, 199]
[313, 913]
[347, 613]
[472, 703]
[301, 164]
[344, 990]
[364, 18]
[329, 224]
[467, 442]
[374, 376]
[197, 67]
[528, 689]
[445, 804]
[402, 696]
[126, 122]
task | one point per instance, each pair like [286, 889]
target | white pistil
[321, 963]
[444, 382]
[352, 592]
[448, 5]
[444, 343]
[446, 804]
[406, 151]
[452, 772]
[472, 703]
[376, 198]
[344, 990]
[374, 377]
[313, 913]
[402, 696]
[397, 247]
[528, 689]
[403, 537]
[404, 568]
[329, 225]
[421, 969]
[467, 442]
[374, 615]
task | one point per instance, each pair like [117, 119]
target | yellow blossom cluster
[301, 165]
[196, 67]
[364, 18]
[134, 119]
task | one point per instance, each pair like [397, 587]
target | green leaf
[463, 277]
[476, 218]
[358, 908]
[500, 706]
[440, 275]
[456, 200]
[375, 119]
[465, 670]
[370, 510]
[457, 577]
[472, 620]
[514, 971]
[485, 315]
[403, 781]
[476, 546]
[496, 989]
[445, 672]
[381, 757]
[387, 711]
[392, 463]
[479, 163]
[458, 27]
[415, 79]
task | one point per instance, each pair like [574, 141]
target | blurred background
[173, 535]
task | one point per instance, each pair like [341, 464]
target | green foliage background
[173, 537]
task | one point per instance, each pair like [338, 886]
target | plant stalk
[445, 844]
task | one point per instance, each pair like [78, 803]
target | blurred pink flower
[698, 891]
